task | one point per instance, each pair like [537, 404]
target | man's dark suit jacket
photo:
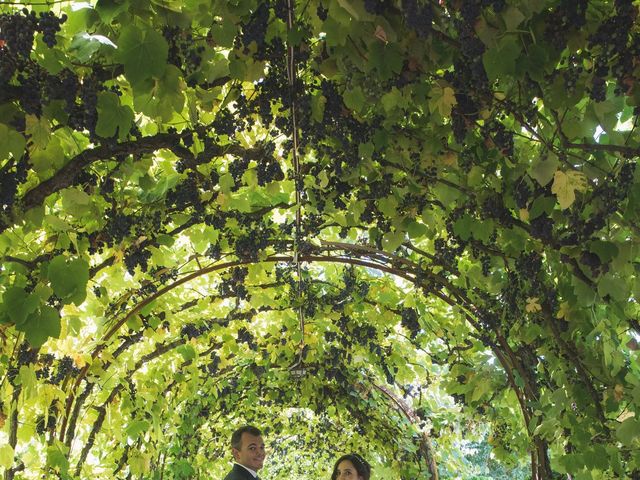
[239, 473]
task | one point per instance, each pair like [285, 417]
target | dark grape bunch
[410, 321]
[323, 13]
[26, 354]
[119, 226]
[17, 31]
[66, 368]
[502, 138]
[184, 51]
[542, 228]
[8, 64]
[522, 193]
[234, 286]
[224, 123]
[45, 361]
[238, 167]
[569, 15]
[213, 365]
[10, 178]
[42, 426]
[529, 265]
[190, 331]
[269, 170]
[186, 194]
[458, 125]
[49, 24]
[248, 246]
[375, 7]
[418, 17]
[135, 257]
[255, 30]
[245, 336]
[493, 207]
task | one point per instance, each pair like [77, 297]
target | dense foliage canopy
[384, 226]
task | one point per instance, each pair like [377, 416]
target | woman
[351, 467]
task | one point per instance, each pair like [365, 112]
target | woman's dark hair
[361, 465]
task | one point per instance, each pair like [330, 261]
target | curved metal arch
[163, 349]
[364, 257]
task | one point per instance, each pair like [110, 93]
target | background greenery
[403, 228]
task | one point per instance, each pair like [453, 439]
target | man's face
[251, 453]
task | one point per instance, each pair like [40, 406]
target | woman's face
[346, 471]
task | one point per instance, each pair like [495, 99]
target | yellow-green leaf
[566, 184]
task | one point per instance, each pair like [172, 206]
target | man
[248, 452]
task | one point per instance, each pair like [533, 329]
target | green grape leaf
[27, 378]
[109, 9]
[57, 459]
[143, 53]
[6, 455]
[584, 293]
[39, 130]
[417, 230]
[386, 59]
[184, 469]
[318, 103]
[463, 226]
[573, 462]
[112, 117]
[19, 304]
[392, 100]
[224, 33]
[605, 250]
[84, 45]
[512, 17]
[541, 205]
[140, 463]
[442, 99]
[628, 432]
[613, 286]
[41, 325]
[544, 168]
[354, 99]
[137, 428]
[187, 352]
[75, 201]
[501, 60]
[12, 142]
[392, 240]
[69, 278]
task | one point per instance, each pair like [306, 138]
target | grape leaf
[566, 184]
[112, 117]
[19, 304]
[12, 142]
[501, 60]
[41, 325]
[628, 431]
[143, 53]
[354, 99]
[6, 455]
[137, 428]
[69, 278]
[442, 99]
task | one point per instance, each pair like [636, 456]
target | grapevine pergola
[377, 226]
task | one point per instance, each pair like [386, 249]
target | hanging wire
[291, 73]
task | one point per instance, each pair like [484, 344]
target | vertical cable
[291, 73]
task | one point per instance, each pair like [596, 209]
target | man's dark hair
[236, 437]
